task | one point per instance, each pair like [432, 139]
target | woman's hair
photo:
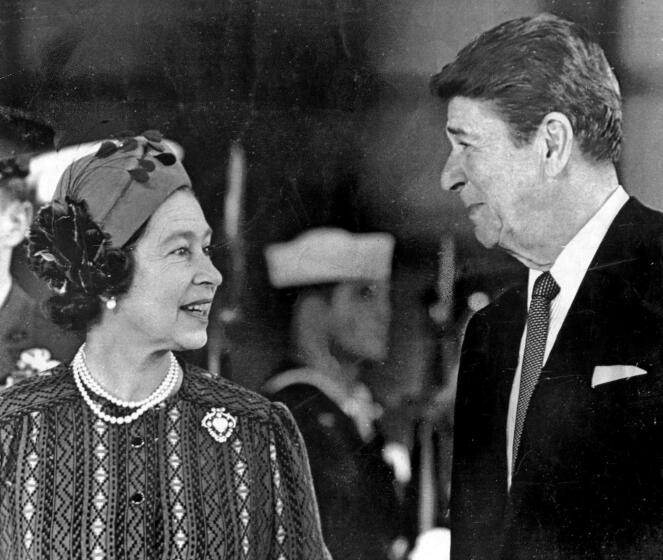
[80, 266]
[78, 309]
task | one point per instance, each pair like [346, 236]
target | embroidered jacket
[72, 486]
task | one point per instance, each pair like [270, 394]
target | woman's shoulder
[37, 393]
[208, 389]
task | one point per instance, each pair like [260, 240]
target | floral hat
[100, 202]
[123, 183]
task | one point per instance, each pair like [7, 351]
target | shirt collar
[570, 266]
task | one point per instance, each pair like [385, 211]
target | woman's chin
[190, 341]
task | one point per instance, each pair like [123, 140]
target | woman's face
[168, 303]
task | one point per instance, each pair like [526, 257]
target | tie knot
[545, 286]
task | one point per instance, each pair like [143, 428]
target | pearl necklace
[84, 381]
[93, 385]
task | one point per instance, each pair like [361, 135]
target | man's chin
[488, 239]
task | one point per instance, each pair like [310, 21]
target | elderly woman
[126, 452]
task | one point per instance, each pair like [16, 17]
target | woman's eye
[212, 249]
[181, 251]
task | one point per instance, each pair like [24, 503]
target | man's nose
[452, 178]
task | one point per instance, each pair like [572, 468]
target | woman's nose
[208, 273]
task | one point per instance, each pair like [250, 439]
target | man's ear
[19, 217]
[557, 134]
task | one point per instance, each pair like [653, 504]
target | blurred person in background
[127, 452]
[29, 342]
[558, 443]
[340, 321]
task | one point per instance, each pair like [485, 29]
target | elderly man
[559, 416]
[28, 341]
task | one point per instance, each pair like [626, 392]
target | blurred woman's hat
[325, 255]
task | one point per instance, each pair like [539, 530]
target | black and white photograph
[331, 279]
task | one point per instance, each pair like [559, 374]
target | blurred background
[301, 113]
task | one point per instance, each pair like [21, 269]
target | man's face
[499, 183]
[361, 314]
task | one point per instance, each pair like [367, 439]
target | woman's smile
[199, 309]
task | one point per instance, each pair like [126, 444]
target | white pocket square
[606, 374]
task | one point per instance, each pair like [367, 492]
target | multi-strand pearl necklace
[86, 383]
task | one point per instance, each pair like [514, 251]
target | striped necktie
[538, 319]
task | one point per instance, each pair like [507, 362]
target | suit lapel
[508, 335]
[508, 325]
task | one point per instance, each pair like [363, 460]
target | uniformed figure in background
[28, 341]
[340, 320]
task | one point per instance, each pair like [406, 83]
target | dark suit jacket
[23, 326]
[588, 481]
[354, 487]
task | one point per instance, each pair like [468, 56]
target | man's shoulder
[639, 222]
[630, 257]
[37, 393]
[507, 305]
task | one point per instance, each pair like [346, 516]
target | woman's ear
[557, 134]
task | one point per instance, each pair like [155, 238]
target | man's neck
[576, 202]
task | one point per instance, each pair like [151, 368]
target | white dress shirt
[568, 271]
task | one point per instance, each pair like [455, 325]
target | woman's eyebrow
[186, 234]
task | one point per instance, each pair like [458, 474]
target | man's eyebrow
[457, 131]
[186, 234]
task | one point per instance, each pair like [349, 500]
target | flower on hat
[67, 246]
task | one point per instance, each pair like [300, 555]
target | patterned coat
[72, 486]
